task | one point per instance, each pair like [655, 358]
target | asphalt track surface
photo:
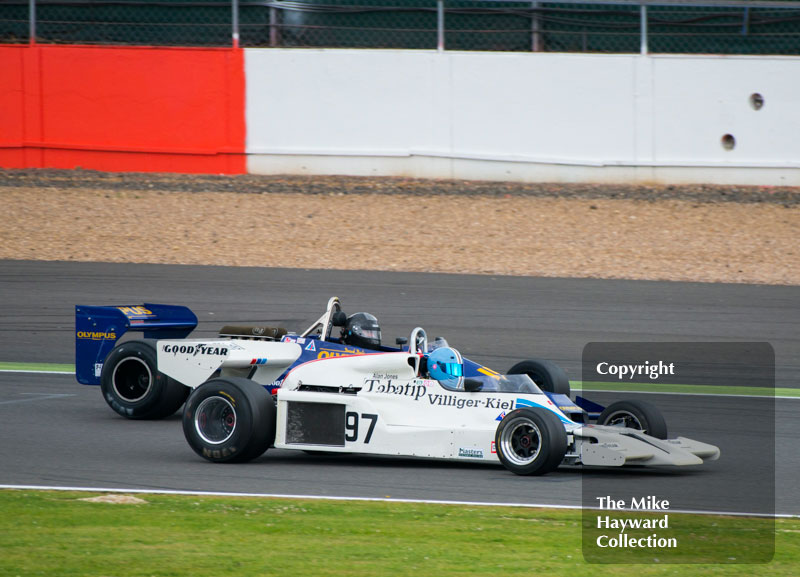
[56, 432]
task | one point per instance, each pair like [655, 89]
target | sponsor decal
[418, 390]
[301, 340]
[286, 339]
[569, 408]
[194, 350]
[501, 416]
[330, 353]
[494, 448]
[412, 389]
[98, 369]
[137, 312]
[460, 402]
[258, 362]
[97, 336]
[310, 346]
[470, 453]
[230, 398]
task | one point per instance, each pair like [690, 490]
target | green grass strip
[577, 385]
[42, 367]
[675, 388]
[57, 533]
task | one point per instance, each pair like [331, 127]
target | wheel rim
[521, 441]
[625, 419]
[132, 379]
[215, 420]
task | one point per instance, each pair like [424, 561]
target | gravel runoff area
[735, 234]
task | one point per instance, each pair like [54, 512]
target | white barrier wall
[529, 117]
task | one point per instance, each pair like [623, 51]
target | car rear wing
[97, 329]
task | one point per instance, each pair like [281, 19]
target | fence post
[440, 25]
[536, 28]
[274, 32]
[643, 26]
[32, 22]
[235, 22]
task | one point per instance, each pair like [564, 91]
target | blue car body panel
[97, 330]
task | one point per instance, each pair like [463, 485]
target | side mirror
[401, 341]
[472, 385]
[339, 319]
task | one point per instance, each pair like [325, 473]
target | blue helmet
[446, 366]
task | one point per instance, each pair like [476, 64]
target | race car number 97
[351, 421]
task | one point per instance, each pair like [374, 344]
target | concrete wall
[490, 116]
[553, 117]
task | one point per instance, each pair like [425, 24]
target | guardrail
[615, 26]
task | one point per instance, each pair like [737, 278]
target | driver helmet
[446, 366]
[362, 330]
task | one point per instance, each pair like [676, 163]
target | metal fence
[611, 26]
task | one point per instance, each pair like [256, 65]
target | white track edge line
[369, 499]
[684, 394]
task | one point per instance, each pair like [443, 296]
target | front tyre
[634, 414]
[531, 441]
[133, 386]
[229, 420]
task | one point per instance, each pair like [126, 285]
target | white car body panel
[352, 371]
[192, 362]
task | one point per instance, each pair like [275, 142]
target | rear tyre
[531, 441]
[546, 374]
[229, 420]
[133, 386]
[639, 415]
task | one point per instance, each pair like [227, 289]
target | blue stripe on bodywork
[521, 403]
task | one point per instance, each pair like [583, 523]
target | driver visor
[452, 369]
[370, 334]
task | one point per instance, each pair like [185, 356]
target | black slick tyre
[531, 441]
[546, 374]
[132, 385]
[229, 420]
[635, 414]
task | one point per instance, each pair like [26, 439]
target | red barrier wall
[122, 108]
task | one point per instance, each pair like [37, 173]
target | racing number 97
[351, 421]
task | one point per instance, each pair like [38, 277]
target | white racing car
[414, 402]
